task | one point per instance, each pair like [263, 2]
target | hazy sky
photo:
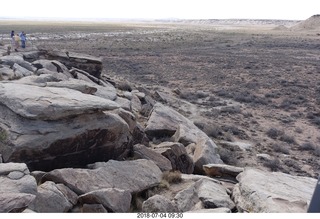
[187, 9]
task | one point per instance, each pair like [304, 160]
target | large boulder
[50, 200]
[106, 92]
[178, 156]
[50, 103]
[17, 60]
[88, 63]
[133, 176]
[204, 193]
[158, 203]
[51, 128]
[114, 200]
[222, 170]
[165, 122]
[142, 152]
[18, 189]
[274, 192]
[6, 73]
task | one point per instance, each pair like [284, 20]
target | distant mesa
[312, 23]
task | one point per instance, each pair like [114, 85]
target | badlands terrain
[251, 85]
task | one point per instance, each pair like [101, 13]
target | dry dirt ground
[254, 86]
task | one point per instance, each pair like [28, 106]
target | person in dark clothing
[12, 39]
[23, 39]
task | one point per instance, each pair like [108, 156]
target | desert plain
[252, 85]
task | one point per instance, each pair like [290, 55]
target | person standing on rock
[23, 39]
[16, 42]
[12, 38]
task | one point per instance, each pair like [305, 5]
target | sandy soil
[256, 86]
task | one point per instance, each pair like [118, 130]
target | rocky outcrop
[158, 203]
[50, 199]
[139, 175]
[177, 155]
[142, 152]
[115, 200]
[222, 170]
[69, 142]
[203, 194]
[166, 122]
[90, 64]
[274, 192]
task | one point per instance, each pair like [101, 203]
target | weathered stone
[128, 117]
[222, 170]
[124, 103]
[93, 208]
[50, 103]
[47, 64]
[158, 203]
[211, 195]
[31, 56]
[70, 142]
[26, 184]
[274, 192]
[165, 121]
[136, 104]
[6, 168]
[177, 154]
[139, 175]
[90, 64]
[57, 75]
[139, 136]
[142, 152]
[40, 80]
[6, 73]
[106, 92]
[18, 60]
[50, 199]
[14, 202]
[71, 196]
[20, 70]
[17, 189]
[115, 200]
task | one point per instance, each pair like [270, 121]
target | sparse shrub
[273, 165]
[232, 129]
[299, 130]
[316, 121]
[172, 176]
[213, 131]
[317, 151]
[164, 184]
[227, 156]
[291, 163]
[281, 148]
[287, 138]
[224, 93]
[210, 129]
[273, 133]
[231, 110]
[308, 146]
[201, 94]
[125, 86]
[229, 137]
[188, 95]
